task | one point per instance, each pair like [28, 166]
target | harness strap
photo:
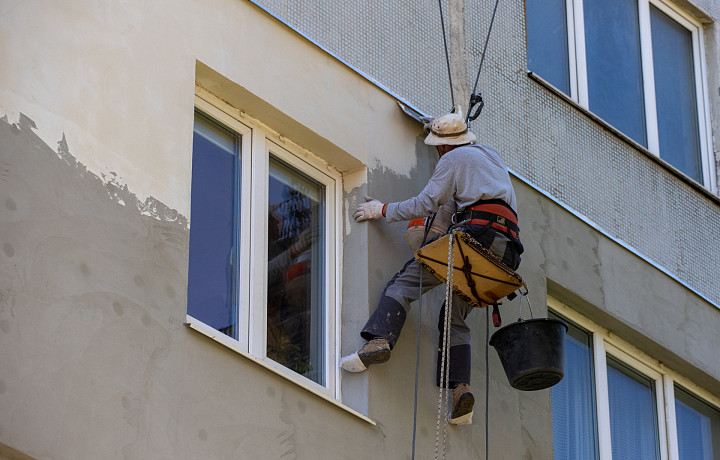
[496, 213]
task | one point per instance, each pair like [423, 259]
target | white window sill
[222, 339]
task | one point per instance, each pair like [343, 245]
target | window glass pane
[633, 416]
[573, 400]
[547, 38]
[615, 83]
[212, 277]
[296, 271]
[698, 427]
[677, 109]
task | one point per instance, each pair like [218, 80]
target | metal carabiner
[475, 99]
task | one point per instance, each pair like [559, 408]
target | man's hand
[370, 210]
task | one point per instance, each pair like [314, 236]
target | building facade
[180, 270]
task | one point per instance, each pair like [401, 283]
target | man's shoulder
[471, 150]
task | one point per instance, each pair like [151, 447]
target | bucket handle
[527, 298]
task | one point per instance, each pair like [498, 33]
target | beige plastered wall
[112, 370]
[117, 80]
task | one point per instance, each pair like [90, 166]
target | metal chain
[445, 364]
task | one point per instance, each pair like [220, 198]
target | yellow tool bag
[479, 277]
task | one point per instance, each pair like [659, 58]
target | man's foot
[463, 402]
[375, 351]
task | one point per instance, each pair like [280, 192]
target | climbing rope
[417, 356]
[447, 55]
[445, 364]
[428, 225]
[476, 98]
[487, 381]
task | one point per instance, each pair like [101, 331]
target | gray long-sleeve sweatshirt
[465, 175]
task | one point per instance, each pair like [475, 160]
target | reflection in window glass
[633, 416]
[547, 41]
[698, 427]
[212, 276]
[296, 271]
[615, 83]
[573, 400]
[677, 110]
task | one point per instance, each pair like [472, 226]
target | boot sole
[376, 357]
[462, 414]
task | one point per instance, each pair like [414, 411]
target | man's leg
[383, 328]
[460, 357]
[459, 365]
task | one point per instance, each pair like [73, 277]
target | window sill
[207, 331]
[642, 149]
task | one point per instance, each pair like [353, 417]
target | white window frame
[258, 142]
[579, 78]
[605, 343]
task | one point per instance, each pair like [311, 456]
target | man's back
[466, 174]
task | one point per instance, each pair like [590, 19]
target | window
[212, 296]
[633, 419]
[634, 63]
[698, 427]
[263, 263]
[611, 404]
[296, 265]
[573, 400]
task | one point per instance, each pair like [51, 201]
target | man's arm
[439, 190]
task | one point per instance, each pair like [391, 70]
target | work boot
[376, 351]
[463, 402]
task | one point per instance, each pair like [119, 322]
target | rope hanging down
[428, 225]
[417, 351]
[445, 364]
[444, 373]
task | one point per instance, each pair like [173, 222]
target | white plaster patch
[352, 182]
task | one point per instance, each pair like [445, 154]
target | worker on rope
[474, 181]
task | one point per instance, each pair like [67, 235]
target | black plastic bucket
[532, 352]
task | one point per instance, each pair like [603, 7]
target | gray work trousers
[404, 288]
[389, 317]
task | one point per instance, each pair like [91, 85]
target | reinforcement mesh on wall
[543, 138]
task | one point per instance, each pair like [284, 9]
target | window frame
[257, 143]
[579, 78]
[604, 343]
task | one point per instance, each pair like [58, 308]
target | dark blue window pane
[573, 401]
[296, 271]
[698, 427]
[212, 277]
[677, 109]
[633, 417]
[547, 41]
[614, 66]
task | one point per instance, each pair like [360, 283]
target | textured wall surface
[95, 157]
[543, 138]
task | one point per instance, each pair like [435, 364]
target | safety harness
[498, 214]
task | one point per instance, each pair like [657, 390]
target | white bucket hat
[449, 129]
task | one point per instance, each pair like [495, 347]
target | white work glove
[370, 210]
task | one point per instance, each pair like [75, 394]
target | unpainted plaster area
[92, 296]
[116, 190]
